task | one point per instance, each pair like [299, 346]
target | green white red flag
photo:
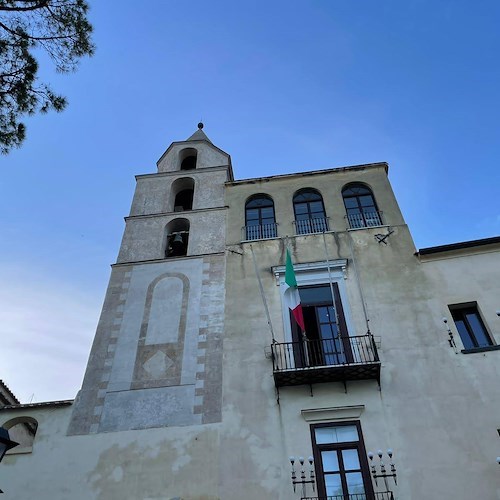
[291, 295]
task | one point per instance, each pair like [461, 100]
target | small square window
[470, 326]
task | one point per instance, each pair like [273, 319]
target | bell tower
[157, 352]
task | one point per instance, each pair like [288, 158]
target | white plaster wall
[153, 464]
[438, 410]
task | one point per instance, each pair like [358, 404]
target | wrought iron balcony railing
[325, 360]
[260, 232]
[364, 219]
[386, 495]
[311, 226]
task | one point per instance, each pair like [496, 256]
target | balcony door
[326, 341]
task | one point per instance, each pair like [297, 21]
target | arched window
[182, 193]
[360, 206]
[177, 238]
[188, 159]
[22, 430]
[259, 218]
[309, 212]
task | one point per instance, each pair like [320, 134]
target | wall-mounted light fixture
[302, 479]
[384, 473]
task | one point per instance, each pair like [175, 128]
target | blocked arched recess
[177, 238]
[188, 158]
[161, 344]
[181, 194]
[22, 430]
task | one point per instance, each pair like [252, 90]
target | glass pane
[333, 485]
[351, 459]
[315, 295]
[347, 433]
[326, 331]
[259, 202]
[338, 434]
[355, 484]
[464, 334]
[254, 222]
[354, 211]
[269, 220]
[267, 212]
[316, 206]
[323, 314]
[478, 330]
[350, 202]
[330, 461]
[366, 201]
[301, 208]
[252, 214]
[304, 216]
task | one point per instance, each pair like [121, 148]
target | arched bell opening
[188, 158]
[177, 238]
[182, 193]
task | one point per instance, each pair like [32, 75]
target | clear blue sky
[282, 87]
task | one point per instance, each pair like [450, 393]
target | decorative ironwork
[364, 219]
[302, 479]
[325, 360]
[260, 231]
[385, 495]
[311, 226]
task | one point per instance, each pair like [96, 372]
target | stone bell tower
[157, 352]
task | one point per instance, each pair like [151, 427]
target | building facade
[200, 383]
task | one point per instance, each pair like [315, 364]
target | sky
[282, 86]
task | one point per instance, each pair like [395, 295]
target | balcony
[311, 226]
[364, 219]
[385, 495]
[325, 360]
[260, 231]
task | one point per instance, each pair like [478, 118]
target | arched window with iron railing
[361, 208]
[309, 212]
[260, 222]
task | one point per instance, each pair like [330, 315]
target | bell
[178, 247]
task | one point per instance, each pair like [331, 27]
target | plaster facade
[182, 398]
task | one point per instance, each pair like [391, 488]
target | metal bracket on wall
[381, 238]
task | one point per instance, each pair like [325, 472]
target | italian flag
[291, 295]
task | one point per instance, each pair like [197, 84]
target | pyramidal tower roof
[199, 135]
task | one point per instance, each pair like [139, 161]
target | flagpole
[262, 295]
[331, 283]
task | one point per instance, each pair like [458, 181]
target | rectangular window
[341, 464]
[470, 326]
